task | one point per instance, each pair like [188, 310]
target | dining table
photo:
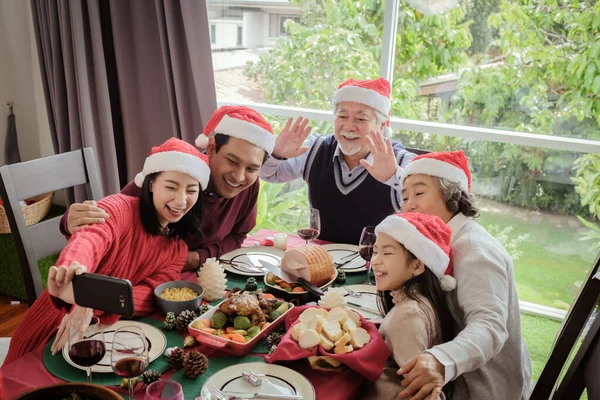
[30, 372]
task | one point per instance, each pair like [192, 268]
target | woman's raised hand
[289, 141]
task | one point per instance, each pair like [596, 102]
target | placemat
[60, 368]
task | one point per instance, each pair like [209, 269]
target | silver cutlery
[371, 310]
[351, 292]
[238, 395]
[342, 263]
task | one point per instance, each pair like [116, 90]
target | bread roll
[311, 262]
[332, 330]
[349, 325]
[342, 349]
[338, 314]
[326, 343]
[343, 340]
[359, 337]
[298, 329]
[316, 323]
[307, 314]
[309, 339]
[353, 315]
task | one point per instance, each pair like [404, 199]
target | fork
[216, 392]
[351, 292]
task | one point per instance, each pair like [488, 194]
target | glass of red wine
[309, 224]
[88, 349]
[365, 248]
[129, 354]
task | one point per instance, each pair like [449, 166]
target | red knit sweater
[120, 248]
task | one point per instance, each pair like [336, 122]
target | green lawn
[11, 282]
[554, 260]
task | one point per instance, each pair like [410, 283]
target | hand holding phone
[104, 293]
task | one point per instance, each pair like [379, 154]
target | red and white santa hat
[451, 165]
[176, 155]
[373, 93]
[239, 122]
[428, 238]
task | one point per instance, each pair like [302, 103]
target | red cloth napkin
[268, 241]
[367, 361]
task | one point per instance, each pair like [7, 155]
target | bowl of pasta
[178, 296]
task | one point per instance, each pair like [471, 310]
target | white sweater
[410, 328]
[488, 352]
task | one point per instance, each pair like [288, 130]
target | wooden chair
[30, 178]
[574, 381]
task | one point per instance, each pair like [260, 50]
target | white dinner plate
[251, 256]
[278, 380]
[156, 340]
[367, 302]
[339, 250]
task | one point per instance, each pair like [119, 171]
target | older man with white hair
[351, 186]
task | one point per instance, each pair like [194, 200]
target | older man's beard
[349, 149]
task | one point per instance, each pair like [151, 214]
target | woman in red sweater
[141, 242]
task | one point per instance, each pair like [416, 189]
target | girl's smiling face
[392, 264]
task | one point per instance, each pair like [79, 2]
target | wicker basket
[32, 213]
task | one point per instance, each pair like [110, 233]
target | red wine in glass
[366, 252]
[87, 352]
[130, 367]
[365, 248]
[308, 234]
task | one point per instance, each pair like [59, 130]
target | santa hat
[372, 93]
[239, 122]
[176, 155]
[428, 238]
[451, 165]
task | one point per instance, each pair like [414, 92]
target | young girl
[141, 242]
[410, 260]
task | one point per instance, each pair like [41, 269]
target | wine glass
[88, 349]
[365, 248]
[309, 224]
[164, 389]
[129, 354]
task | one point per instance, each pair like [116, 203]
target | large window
[514, 83]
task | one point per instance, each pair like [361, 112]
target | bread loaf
[311, 262]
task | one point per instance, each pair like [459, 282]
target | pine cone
[189, 341]
[150, 376]
[273, 339]
[204, 308]
[194, 364]
[184, 319]
[169, 323]
[341, 278]
[175, 360]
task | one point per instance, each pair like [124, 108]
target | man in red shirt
[238, 141]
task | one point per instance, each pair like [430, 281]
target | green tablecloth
[60, 368]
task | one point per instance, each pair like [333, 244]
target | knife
[241, 395]
[307, 285]
[364, 308]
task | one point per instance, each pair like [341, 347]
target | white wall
[20, 82]
[226, 34]
[255, 28]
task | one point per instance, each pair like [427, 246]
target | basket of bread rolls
[311, 262]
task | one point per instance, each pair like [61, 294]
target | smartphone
[104, 293]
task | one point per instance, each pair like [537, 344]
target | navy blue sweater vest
[343, 216]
